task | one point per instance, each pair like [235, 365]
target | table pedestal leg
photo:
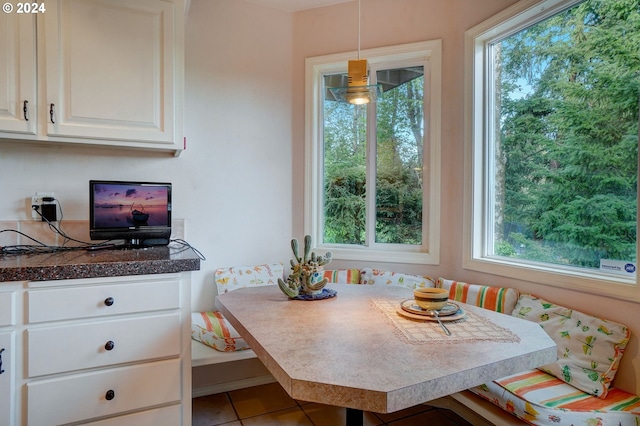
[354, 417]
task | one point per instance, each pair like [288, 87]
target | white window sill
[382, 255]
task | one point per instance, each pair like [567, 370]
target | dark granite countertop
[71, 264]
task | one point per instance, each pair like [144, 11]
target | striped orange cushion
[558, 394]
[499, 299]
[343, 276]
[213, 329]
[541, 399]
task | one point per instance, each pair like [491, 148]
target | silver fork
[446, 330]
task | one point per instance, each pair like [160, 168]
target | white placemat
[472, 327]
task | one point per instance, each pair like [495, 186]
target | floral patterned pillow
[235, 277]
[379, 277]
[499, 299]
[342, 276]
[589, 348]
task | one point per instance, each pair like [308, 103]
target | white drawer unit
[78, 301]
[91, 395]
[7, 308]
[109, 351]
[97, 344]
[7, 378]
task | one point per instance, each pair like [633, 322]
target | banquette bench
[576, 390]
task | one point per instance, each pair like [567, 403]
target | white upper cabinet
[18, 74]
[109, 72]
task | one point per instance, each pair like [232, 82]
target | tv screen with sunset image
[118, 205]
[130, 210]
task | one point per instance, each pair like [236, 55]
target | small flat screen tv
[137, 212]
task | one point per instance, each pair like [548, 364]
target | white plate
[459, 314]
[412, 307]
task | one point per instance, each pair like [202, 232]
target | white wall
[233, 183]
[238, 115]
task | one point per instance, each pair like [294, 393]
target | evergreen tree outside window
[554, 141]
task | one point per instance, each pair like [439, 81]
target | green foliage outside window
[568, 91]
[398, 176]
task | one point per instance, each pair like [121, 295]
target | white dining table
[356, 351]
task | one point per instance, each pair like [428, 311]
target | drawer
[7, 308]
[97, 300]
[103, 393]
[7, 378]
[80, 346]
[165, 416]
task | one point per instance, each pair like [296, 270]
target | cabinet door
[7, 378]
[111, 70]
[7, 308]
[17, 74]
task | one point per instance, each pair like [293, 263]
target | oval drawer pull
[109, 301]
[109, 345]
[110, 395]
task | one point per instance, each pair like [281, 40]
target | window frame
[429, 53]
[477, 186]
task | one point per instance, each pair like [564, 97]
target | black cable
[58, 230]
[44, 248]
[27, 248]
[187, 246]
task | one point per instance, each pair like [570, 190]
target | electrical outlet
[38, 200]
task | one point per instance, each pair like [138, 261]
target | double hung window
[373, 169]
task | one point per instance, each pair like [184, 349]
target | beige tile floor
[270, 405]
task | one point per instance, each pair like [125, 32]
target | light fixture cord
[358, 29]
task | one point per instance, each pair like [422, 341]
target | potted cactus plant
[305, 279]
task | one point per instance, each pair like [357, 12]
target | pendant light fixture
[358, 91]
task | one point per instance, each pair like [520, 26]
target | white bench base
[217, 372]
[202, 354]
[476, 410]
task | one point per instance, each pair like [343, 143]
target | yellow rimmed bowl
[431, 299]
